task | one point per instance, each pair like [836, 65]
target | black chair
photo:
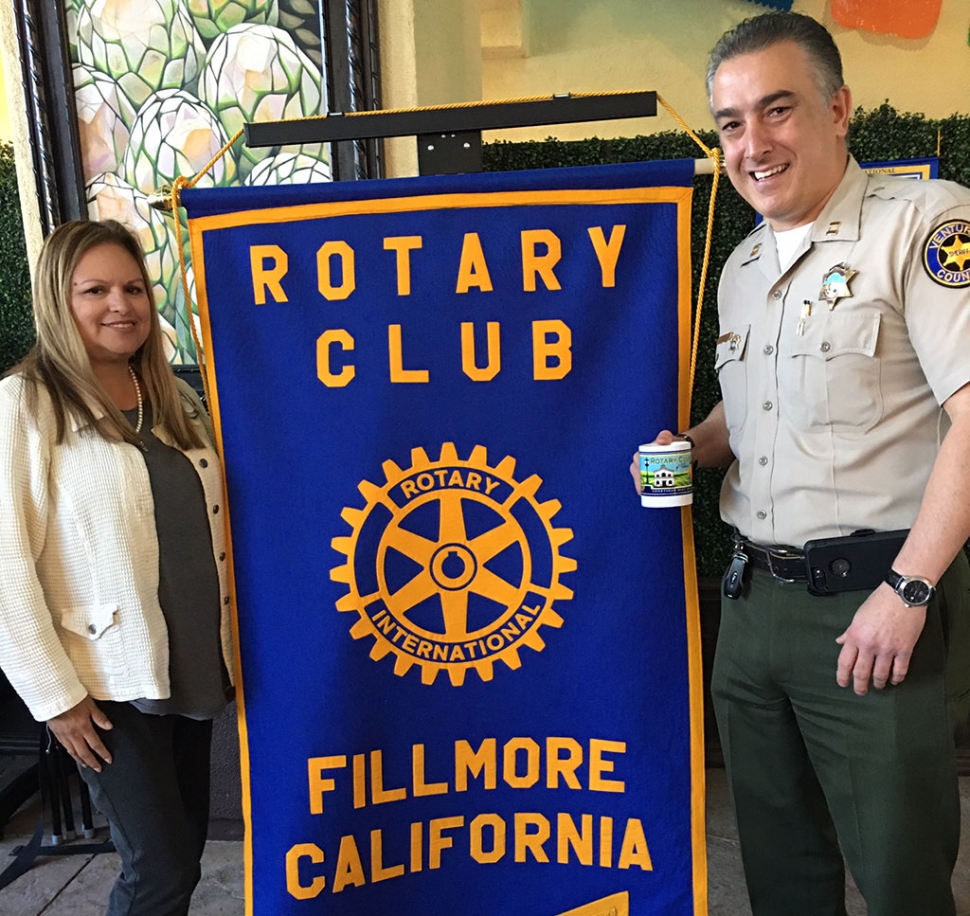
[19, 737]
[53, 775]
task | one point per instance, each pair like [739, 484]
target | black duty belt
[785, 563]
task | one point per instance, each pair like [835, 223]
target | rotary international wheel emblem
[452, 564]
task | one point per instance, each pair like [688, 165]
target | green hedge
[882, 134]
[875, 135]
[16, 327]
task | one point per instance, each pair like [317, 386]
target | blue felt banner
[470, 666]
[927, 167]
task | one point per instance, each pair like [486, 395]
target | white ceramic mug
[666, 474]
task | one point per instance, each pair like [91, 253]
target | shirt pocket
[833, 377]
[90, 621]
[92, 637]
[729, 364]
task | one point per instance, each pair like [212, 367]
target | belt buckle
[782, 554]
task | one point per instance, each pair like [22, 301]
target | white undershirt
[788, 242]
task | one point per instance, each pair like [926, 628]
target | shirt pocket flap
[90, 621]
[730, 345]
[856, 332]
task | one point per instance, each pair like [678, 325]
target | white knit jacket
[79, 611]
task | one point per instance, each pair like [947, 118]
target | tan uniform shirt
[834, 413]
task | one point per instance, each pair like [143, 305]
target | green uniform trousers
[813, 767]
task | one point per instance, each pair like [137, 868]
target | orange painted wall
[606, 45]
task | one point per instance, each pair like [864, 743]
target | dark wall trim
[51, 112]
[352, 54]
[353, 81]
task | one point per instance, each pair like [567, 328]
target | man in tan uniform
[844, 363]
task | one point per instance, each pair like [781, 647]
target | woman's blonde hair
[59, 361]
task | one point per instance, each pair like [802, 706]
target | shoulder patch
[946, 254]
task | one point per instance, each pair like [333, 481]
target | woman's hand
[75, 729]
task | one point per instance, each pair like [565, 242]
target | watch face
[916, 592]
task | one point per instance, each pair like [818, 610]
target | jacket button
[203, 462]
[762, 514]
[222, 556]
[825, 346]
[92, 629]
[215, 510]
[776, 295]
[225, 600]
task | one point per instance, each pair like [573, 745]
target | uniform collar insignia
[834, 227]
[835, 284]
[755, 251]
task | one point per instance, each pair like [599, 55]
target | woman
[114, 622]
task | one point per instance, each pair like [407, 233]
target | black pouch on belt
[859, 561]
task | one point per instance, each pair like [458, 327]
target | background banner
[470, 663]
[928, 167]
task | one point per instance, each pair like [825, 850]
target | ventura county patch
[947, 253]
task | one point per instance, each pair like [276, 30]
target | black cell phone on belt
[859, 561]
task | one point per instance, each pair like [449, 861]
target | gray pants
[155, 795]
[817, 772]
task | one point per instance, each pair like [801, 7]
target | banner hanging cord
[173, 199]
[715, 155]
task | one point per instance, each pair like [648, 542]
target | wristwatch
[914, 590]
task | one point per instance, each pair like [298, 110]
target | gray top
[188, 584]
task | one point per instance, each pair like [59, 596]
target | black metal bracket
[450, 138]
[449, 154]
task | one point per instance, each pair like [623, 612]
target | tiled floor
[79, 885]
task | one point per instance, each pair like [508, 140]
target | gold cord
[176, 209]
[714, 154]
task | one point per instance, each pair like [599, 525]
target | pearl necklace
[141, 406]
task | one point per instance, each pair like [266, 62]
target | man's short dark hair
[761, 32]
